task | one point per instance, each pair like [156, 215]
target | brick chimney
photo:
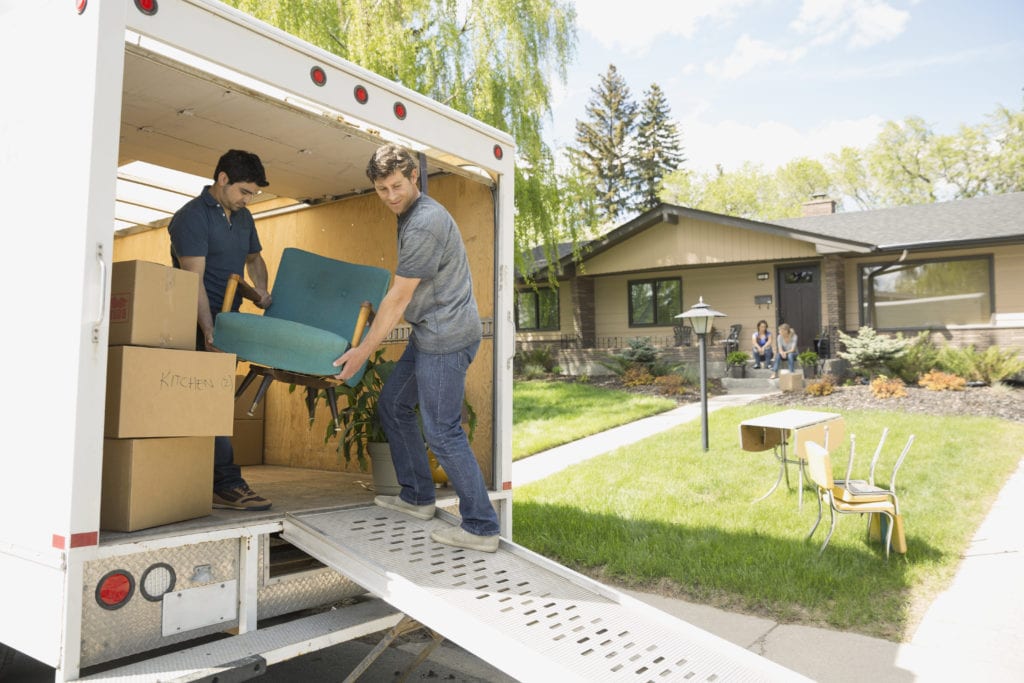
[819, 205]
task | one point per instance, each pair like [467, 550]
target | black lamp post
[702, 318]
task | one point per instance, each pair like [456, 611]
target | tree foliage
[604, 143]
[658, 150]
[491, 59]
[908, 163]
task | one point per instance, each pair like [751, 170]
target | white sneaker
[396, 503]
[460, 538]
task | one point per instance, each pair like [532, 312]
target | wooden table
[777, 431]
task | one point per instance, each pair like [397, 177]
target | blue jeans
[226, 474]
[437, 384]
[790, 358]
[764, 359]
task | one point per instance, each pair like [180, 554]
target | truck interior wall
[361, 230]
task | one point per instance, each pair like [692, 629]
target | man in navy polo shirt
[214, 235]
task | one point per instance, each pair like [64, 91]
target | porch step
[750, 385]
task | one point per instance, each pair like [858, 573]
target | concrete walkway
[973, 631]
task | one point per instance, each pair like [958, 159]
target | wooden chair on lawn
[321, 307]
[860, 490]
[819, 468]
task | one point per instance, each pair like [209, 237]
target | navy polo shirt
[200, 228]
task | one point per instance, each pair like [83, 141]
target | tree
[658, 151]
[604, 144]
[490, 59]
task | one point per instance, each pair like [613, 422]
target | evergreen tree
[604, 145]
[658, 150]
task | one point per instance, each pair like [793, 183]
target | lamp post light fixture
[702, 318]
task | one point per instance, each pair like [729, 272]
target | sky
[768, 81]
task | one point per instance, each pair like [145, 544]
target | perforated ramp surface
[530, 617]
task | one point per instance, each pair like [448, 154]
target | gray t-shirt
[442, 311]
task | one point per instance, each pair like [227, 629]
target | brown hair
[388, 159]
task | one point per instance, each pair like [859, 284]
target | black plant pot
[737, 371]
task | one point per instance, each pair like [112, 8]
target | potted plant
[809, 362]
[737, 362]
[362, 436]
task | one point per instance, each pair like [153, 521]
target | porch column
[583, 311]
[834, 293]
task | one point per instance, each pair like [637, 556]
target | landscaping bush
[822, 387]
[988, 367]
[919, 356]
[888, 387]
[672, 384]
[637, 376]
[639, 353]
[540, 356]
[936, 380]
[869, 352]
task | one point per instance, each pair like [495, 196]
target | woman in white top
[785, 348]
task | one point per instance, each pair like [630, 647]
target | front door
[800, 302]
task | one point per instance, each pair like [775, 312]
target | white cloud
[634, 26]
[862, 23]
[770, 144]
[748, 54]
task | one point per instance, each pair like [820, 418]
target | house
[948, 268]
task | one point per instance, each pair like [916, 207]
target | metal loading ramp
[522, 613]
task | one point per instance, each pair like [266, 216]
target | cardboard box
[167, 392]
[791, 381]
[148, 482]
[153, 305]
[245, 400]
[247, 442]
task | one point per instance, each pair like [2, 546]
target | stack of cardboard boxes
[165, 401]
[248, 435]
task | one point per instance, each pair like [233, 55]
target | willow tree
[490, 59]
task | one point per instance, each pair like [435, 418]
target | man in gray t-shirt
[433, 291]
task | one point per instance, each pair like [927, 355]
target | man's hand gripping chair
[320, 308]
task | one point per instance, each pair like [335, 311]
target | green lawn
[549, 414]
[662, 513]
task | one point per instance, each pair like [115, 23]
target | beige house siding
[693, 242]
[728, 289]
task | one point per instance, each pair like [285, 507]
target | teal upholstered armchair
[320, 309]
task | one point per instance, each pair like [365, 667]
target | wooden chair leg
[249, 377]
[260, 393]
[332, 402]
[311, 394]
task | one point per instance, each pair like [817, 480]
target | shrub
[920, 356]
[989, 367]
[937, 380]
[534, 371]
[737, 358]
[671, 385]
[870, 352]
[808, 359]
[637, 376]
[583, 379]
[640, 352]
[822, 387]
[538, 356]
[886, 387]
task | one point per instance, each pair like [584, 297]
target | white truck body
[91, 85]
[85, 72]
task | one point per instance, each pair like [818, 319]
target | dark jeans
[763, 359]
[226, 474]
[436, 383]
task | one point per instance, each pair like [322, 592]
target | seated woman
[785, 348]
[762, 345]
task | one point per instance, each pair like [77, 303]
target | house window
[537, 309]
[655, 302]
[927, 294]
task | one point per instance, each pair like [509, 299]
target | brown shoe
[240, 498]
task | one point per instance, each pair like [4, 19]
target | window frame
[534, 293]
[870, 319]
[654, 282]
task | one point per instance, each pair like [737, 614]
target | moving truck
[112, 109]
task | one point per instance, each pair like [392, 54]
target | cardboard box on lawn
[153, 305]
[149, 482]
[168, 392]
